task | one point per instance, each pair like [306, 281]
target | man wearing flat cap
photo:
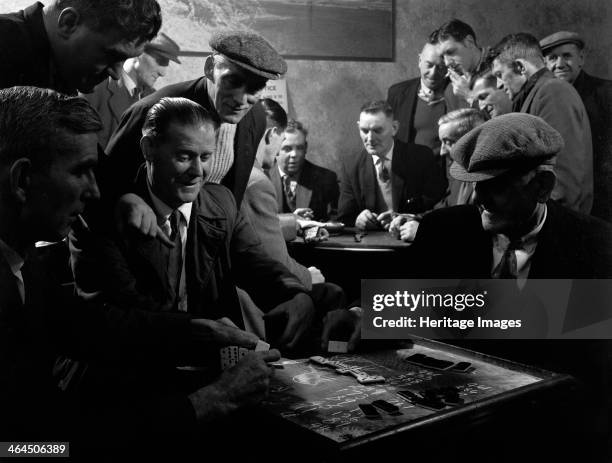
[564, 56]
[112, 97]
[514, 230]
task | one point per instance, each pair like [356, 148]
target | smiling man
[518, 66]
[564, 53]
[485, 93]
[72, 45]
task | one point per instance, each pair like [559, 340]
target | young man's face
[449, 133]
[94, 56]
[490, 99]
[59, 192]
[292, 152]
[178, 163]
[377, 132]
[233, 89]
[508, 79]
[565, 61]
[460, 56]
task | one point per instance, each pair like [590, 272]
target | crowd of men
[172, 200]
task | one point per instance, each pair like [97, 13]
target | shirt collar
[163, 211]
[283, 174]
[128, 82]
[428, 95]
[388, 155]
[14, 260]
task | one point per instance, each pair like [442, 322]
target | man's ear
[20, 176]
[545, 182]
[518, 66]
[68, 22]
[267, 135]
[146, 146]
[395, 124]
[209, 68]
[469, 41]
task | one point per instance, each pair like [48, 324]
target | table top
[373, 240]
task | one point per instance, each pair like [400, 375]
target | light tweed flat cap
[514, 141]
[250, 51]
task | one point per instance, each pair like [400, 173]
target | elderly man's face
[93, 56]
[506, 202]
[508, 80]
[58, 193]
[149, 69]
[178, 163]
[449, 133]
[432, 67]
[565, 61]
[377, 131]
[459, 55]
[233, 89]
[490, 99]
[292, 152]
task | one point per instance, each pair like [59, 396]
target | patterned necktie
[289, 193]
[175, 258]
[507, 267]
[383, 172]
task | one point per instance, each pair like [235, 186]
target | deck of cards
[230, 355]
[343, 369]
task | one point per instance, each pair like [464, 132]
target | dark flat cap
[251, 51]
[513, 141]
[163, 46]
[560, 38]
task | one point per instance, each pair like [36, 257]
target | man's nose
[162, 71]
[197, 167]
[92, 192]
[500, 84]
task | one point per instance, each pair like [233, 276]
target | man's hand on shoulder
[132, 213]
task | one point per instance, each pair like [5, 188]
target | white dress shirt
[385, 187]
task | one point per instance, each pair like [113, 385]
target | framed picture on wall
[355, 30]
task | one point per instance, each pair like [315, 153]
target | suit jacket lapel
[367, 180]
[397, 181]
[9, 294]
[303, 194]
[118, 98]
[411, 100]
[278, 187]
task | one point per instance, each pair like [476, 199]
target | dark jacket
[416, 182]
[596, 94]
[125, 157]
[403, 99]
[25, 55]
[317, 188]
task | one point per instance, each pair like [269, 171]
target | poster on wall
[355, 30]
[276, 90]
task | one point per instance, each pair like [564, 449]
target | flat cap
[559, 38]
[514, 141]
[163, 46]
[250, 51]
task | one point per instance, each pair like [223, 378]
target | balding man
[564, 56]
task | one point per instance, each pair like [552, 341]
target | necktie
[175, 258]
[289, 193]
[507, 265]
[383, 172]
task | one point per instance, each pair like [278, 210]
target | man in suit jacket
[302, 188]
[76, 47]
[387, 175]
[238, 69]
[564, 55]
[418, 103]
[519, 66]
[42, 195]
[112, 97]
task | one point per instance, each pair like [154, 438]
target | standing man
[387, 175]
[72, 45]
[564, 56]
[519, 67]
[418, 103]
[137, 79]
[235, 73]
[462, 56]
[302, 188]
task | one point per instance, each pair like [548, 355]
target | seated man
[451, 127]
[48, 150]
[387, 176]
[215, 248]
[302, 187]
